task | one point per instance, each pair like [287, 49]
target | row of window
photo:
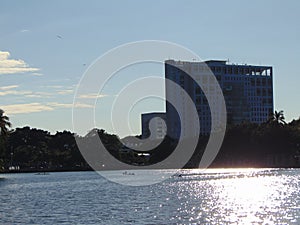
[210, 80]
[233, 70]
[259, 120]
[264, 92]
[255, 109]
[258, 91]
[261, 82]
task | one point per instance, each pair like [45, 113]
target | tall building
[157, 125]
[247, 90]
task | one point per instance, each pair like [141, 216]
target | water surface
[228, 196]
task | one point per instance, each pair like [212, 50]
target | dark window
[258, 92]
[269, 91]
[258, 82]
[270, 111]
[242, 71]
[269, 81]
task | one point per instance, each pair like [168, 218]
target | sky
[46, 47]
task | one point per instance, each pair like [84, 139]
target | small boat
[128, 173]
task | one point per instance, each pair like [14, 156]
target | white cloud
[8, 90]
[25, 108]
[70, 105]
[60, 105]
[39, 107]
[13, 66]
[37, 74]
[4, 88]
[4, 55]
[91, 96]
[12, 90]
[38, 95]
[64, 92]
[53, 86]
[83, 105]
[60, 89]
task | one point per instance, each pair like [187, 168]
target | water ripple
[237, 196]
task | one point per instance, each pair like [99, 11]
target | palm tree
[4, 124]
[278, 117]
[4, 131]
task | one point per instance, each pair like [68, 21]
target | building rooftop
[216, 62]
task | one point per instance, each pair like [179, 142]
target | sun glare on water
[238, 196]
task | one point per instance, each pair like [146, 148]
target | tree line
[271, 144]
[274, 143]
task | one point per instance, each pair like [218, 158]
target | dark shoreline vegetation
[270, 145]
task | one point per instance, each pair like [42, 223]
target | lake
[213, 196]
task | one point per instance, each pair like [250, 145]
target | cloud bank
[13, 66]
[12, 90]
[39, 107]
[25, 108]
[92, 96]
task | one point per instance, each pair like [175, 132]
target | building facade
[247, 90]
[157, 125]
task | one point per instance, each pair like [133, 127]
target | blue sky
[50, 44]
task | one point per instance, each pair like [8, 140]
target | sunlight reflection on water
[229, 196]
[248, 196]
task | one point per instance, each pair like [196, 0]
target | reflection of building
[157, 125]
[248, 91]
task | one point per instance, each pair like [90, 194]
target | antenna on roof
[228, 60]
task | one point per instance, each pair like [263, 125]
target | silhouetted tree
[246, 144]
[4, 124]
[278, 117]
[4, 131]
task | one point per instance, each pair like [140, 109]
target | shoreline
[90, 170]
